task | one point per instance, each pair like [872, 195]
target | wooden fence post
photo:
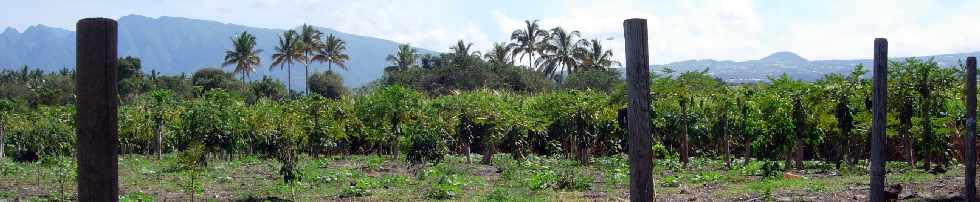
[971, 130]
[97, 102]
[638, 88]
[879, 95]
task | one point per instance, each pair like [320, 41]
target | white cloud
[724, 29]
[913, 29]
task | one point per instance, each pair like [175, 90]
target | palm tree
[311, 43]
[500, 55]
[243, 55]
[594, 57]
[332, 52]
[290, 50]
[403, 59]
[527, 41]
[461, 52]
[559, 53]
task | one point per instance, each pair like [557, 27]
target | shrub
[670, 181]
[137, 197]
[359, 188]
[771, 169]
[446, 187]
[426, 145]
[571, 179]
[601, 80]
[327, 84]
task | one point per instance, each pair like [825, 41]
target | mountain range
[791, 64]
[175, 45]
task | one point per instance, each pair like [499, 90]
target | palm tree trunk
[530, 61]
[243, 83]
[307, 83]
[289, 78]
[307, 77]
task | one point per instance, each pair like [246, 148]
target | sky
[679, 30]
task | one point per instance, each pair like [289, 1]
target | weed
[446, 187]
[136, 197]
[670, 181]
[359, 188]
[706, 177]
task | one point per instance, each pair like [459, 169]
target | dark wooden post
[97, 102]
[638, 87]
[971, 130]
[879, 94]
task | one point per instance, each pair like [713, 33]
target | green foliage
[216, 120]
[427, 142]
[360, 187]
[212, 78]
[130, 77]
[137, 197]
[385, 111]
[772, 169]
[191, 163]
[461, 70]
[45, 131]
[604, 80]
[542, 180]
[669, 181]
[327, 84]
[268, 88]
[446, 187]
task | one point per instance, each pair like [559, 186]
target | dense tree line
[694, 114]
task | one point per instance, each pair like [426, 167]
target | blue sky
[679, 30]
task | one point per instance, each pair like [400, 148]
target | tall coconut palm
[290, 50]
[403, 59]
[243, 55]
[332, 52]
[527, 41]
[559, 53]
[461, 53]
[311, 43]
[594, 57]
[500, 55]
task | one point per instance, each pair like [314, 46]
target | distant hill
[790, 63]
[173, 45]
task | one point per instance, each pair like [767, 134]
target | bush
[542, 179]
[268, 88]
[137, 197]
[670, 181]
[426, 145]
[327, 84]
[446, 187]
[771, 169]
[359, 188]
[571, 179]
[45, 131]
[604, 80]
[213, 78]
